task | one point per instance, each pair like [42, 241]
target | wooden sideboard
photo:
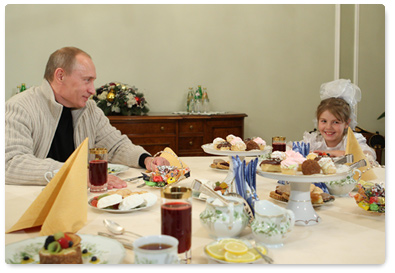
[184, 134]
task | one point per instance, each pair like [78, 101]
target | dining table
[346, 234]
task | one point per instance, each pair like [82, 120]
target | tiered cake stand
[209, 148]
[299, 200]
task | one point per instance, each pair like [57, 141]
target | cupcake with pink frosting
[237, 144]
[261, 143]
[292, 162]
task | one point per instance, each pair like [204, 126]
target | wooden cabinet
[184, 134]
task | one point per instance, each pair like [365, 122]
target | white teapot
[271, 223]
[224, 221]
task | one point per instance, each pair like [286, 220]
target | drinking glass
[176, 218]
[278, 143]
[98, 169]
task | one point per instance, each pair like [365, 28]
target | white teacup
[49, 175]
[147, 251]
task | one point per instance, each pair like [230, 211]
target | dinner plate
[141, 207]
[209, 148]
[116, 168]
[106, 250]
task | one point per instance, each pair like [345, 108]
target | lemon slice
[237, 248]
[261, 249]
[216, 251]
[228, 240]
[244, 258]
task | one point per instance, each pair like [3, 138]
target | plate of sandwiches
[317, 195]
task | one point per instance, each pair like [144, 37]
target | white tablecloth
[346, 235]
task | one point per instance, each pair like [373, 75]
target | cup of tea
[156, 249]
[176, 218]
[98, 171]
[278, 143]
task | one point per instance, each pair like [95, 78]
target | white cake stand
[209, 148]
[299, 200]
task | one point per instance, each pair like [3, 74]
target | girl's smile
[331, 128]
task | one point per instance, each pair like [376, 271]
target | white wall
[265, 60]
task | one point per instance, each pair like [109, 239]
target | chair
[374, 140]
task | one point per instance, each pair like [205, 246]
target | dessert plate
[341, 173]
[314, 205]
[141, 207]
[115, 169]
[209, 148]
[106, 250]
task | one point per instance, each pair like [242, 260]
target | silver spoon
[117, 229]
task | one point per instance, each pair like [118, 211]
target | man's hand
[152, 162]
[115, 182]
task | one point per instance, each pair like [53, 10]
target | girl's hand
[332, 153]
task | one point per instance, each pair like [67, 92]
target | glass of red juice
[98, 172]
[176, 218]
[278, 143]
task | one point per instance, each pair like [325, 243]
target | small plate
[314, 205]
[213, 260]
[115, 169]
[141, 207]
[108, 251]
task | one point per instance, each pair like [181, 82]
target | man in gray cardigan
[44, 124]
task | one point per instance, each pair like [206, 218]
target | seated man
[44, 124]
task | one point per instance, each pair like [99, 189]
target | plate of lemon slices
[231, 250]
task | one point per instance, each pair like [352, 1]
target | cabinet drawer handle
[191, 127]
[191, 143]
[162, 128]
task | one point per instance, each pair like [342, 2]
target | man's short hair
[62, 58]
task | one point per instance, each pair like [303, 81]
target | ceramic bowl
[341, 187]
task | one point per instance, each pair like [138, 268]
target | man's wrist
[143, 159]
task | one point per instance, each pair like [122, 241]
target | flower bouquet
[120, 99]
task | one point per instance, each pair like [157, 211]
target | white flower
[103, 96]
[116, 109]
[131, 100]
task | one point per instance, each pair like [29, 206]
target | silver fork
[265, 257]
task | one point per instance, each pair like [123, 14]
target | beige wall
[265, 60]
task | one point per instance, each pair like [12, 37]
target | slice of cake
[61, 248]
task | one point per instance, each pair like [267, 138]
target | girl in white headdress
[334, 115]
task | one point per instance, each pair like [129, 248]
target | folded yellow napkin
[171, 156]
[62, 205]
[354, 148]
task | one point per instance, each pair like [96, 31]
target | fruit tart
[61, 248]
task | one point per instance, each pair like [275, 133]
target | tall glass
[98, 172]
[176, 218]
[278, 143]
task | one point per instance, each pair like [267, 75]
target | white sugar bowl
[271, 223]
[344, 186]
[224, 221]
